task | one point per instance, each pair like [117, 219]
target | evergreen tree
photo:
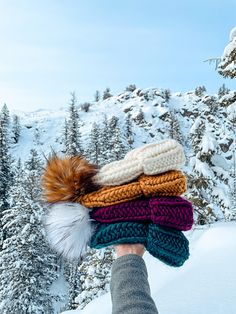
[199, 181]
[167, 95]
[113, 123]
[196, 133]
[27, 267]
[95, 274]
[5, 167]
[105, 140]
[34, 167]
[93, 151]
[72, 276]
[212, 109]
[16, 128]
[37, 136]
[5, 116]
[175, 130]
[65, 136]
[73, 144]
[227, 64]
[197, 187]
[209, 183]
[131, 88]
[227, 68]
[34, 163]
[200, 90]
[129, 136]
[97, 96]
[140, 119]
[117, 148]
[232, 128]
[223, 90]
[85, 106]
[107, 93]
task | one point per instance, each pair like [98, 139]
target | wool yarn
[170, 183]
[150, 159]
[170, 211]
[168, 245]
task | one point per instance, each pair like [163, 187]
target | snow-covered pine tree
[65, 136]
[27, 267]
[200, 178]
[94, 148]
[37, 135]
[129, 136]
[5, 116]
[223, 90]
[140, 118]
[97, 96]
[105, 141]
[95, 273]
[215, 134]
[131, 88]
[16, 128]
[166, 95]
[227, 68]
[85, 106]
[175, 130]
[72, 275]
[211, 155]
[73, 143]
[107, 93]
[231, 117]
[34, 163]
[200, 90]
[33, 168]
[227, 64]
[117, 148]
[5, 166]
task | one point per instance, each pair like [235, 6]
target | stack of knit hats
[134, 200]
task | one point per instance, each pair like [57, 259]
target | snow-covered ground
[206, 284]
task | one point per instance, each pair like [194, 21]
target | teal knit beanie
[168, 245]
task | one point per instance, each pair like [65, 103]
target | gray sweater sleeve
[130, 291]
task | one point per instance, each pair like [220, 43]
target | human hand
[124, 249]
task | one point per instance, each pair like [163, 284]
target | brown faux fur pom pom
[66, 179]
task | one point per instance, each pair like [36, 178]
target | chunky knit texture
[171, 183]
[150, 159]
[166, 244]
[174, 212]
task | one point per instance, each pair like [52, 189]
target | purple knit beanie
[169, 211]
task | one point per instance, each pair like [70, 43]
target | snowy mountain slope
[206, 283]
[49, 124]
[202, 123]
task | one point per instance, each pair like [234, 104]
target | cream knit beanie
[150, 159]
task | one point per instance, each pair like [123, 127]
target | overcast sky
[50, 48]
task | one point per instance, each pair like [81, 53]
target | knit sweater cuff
[130, 291]
[125, 261]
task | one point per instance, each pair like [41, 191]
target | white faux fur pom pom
[69, 229]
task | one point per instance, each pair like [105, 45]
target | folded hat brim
[150, 159]
[171, 183]
[168, 245]
[174, 212]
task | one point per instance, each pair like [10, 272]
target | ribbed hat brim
[166, 244]
[171, 183]
[172, 211]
